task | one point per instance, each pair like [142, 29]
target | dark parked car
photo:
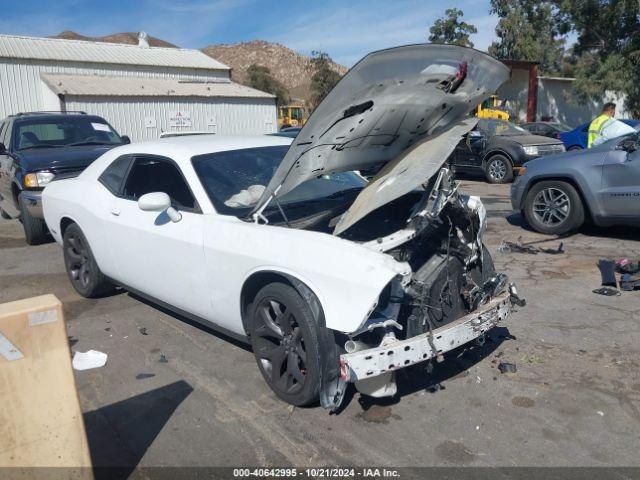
[497, 147]
[576, 139]
[546, 129]
[557, 194]
[37, 148]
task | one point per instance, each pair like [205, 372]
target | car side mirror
[125, 139]
[3, 149]
[159, 202]
[628, 146]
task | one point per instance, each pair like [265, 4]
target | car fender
[346, 277]
[575, 178]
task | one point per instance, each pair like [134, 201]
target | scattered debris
[627, 269]
[163, 359]
[88, 360]
[142, 376]
[624, 265]
[518, 247]
[600, 412]
[436, 387]
[629, 282]
[532, 359]
[143, 330]
[607, 291]
[608, 272]
[506, 367]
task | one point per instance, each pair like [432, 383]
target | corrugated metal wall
[21, 86]
[224, 116]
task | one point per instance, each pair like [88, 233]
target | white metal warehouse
[141, 90]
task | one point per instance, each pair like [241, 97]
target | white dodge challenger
[331, 278]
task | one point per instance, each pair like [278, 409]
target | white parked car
[332, 279]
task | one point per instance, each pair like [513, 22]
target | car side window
[113, 175]
[156, 174]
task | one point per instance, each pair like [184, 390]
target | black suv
[39, 147]
[498, 147]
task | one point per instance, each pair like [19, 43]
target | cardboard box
[41, 422]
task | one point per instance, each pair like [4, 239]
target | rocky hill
[290, 68]
[130, 38]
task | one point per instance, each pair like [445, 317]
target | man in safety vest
[605, 127]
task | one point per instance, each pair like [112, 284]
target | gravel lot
[176, 394]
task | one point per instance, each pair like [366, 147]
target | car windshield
[64, 132]
[235, 180]
[491, 126]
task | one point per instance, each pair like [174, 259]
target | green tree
[529, 30]
[260, 78]
[450, 30]
[606, 55]
[324, 77]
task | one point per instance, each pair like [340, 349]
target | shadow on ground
[119, 434]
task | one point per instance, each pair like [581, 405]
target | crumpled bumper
[371, 362]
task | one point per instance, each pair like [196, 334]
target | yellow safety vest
[595, 128]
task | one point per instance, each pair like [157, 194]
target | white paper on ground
[88, 360]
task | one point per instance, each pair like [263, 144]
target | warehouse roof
[157, 87]
[58, 49]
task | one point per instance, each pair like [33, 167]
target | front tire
[284, 337]
[82, 269]
[35, 229]
[499, 169]
[554, 207]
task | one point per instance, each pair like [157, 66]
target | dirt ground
[176, 394]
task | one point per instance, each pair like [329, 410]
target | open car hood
[390, 101]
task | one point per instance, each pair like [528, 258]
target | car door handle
[115, 212]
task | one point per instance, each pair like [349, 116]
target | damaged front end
[453, 295]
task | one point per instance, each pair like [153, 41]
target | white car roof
[184, 147]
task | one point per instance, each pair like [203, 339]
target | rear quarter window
[114, 174]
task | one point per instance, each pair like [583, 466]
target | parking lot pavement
[176, 394]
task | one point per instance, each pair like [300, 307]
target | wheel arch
[261, 278]
[561, 178]
[497, 151]
[65, 221]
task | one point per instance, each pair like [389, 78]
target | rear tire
[554, 207]
[499, 169]
[82, 269]
[574, 148]
[284, 337]
[35, 229]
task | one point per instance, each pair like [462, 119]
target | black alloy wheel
[82, 269]
[284, 340]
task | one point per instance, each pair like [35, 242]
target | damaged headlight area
[452, 297]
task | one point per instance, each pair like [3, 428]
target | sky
[346, 30]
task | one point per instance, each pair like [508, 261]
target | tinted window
[235, 180]
[64, 131]
[154, 174]
[114, 174]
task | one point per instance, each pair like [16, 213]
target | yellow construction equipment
[290, 116]
[489, 109]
